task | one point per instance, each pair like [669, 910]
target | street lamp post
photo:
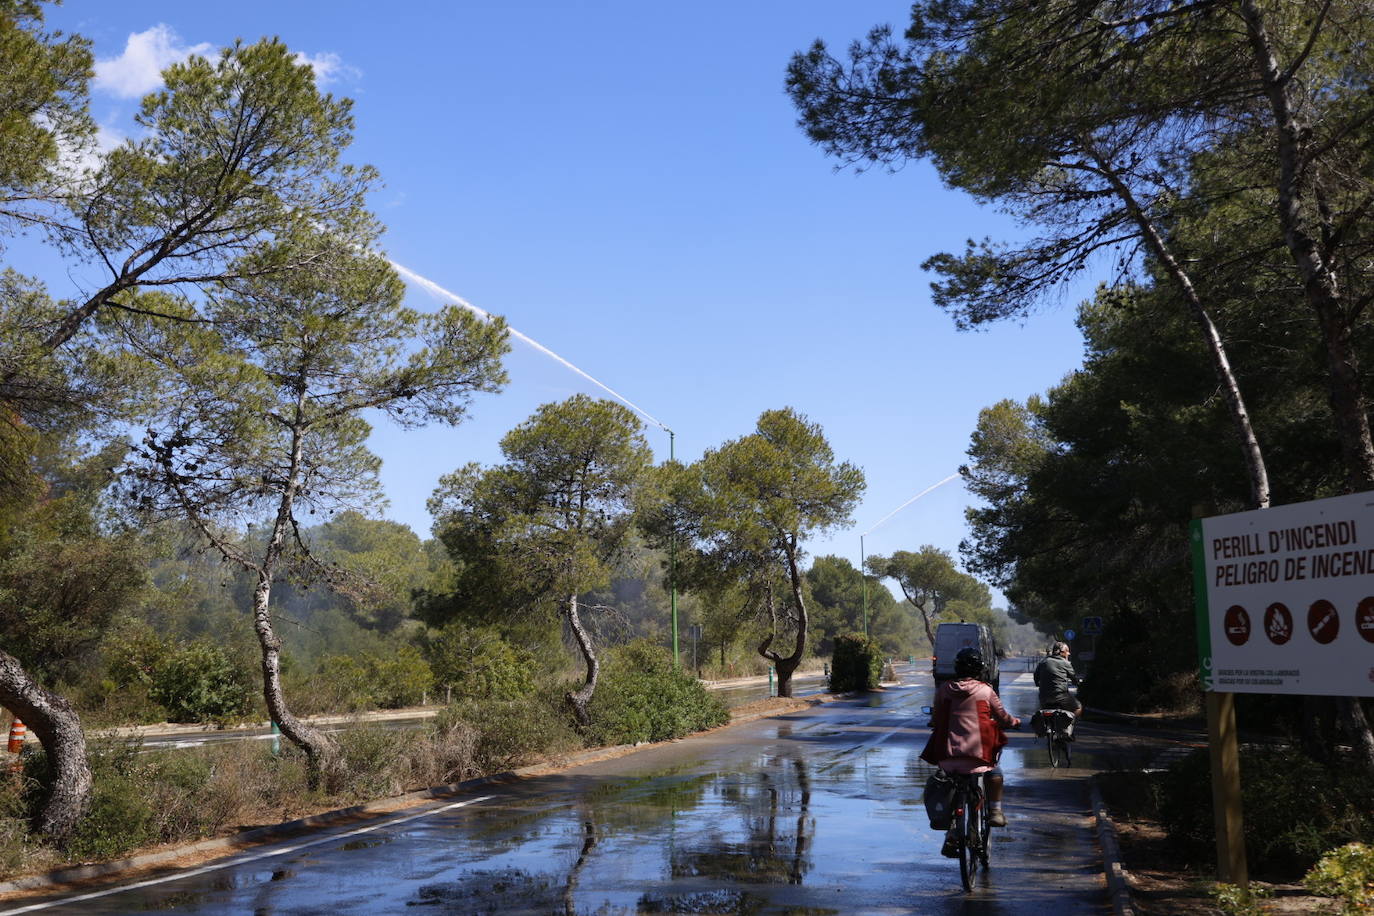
[672, 564]
[863, 578]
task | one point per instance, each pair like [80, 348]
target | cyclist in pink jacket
[967, 734]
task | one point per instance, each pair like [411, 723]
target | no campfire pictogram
[1278, 623]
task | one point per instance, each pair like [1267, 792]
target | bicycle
[1056, 727]
[971, 827]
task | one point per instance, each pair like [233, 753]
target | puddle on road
[1081, 757]
[768, 829]
[750, 840]
[768, 833]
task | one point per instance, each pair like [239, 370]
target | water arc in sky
[909, 502]
[438, 291]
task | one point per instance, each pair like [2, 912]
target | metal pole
[863, 577]
[672, 564]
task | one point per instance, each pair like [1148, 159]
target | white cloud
[328, 66]
[138, 70]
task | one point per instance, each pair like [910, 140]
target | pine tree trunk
[580, 698]
[58, 728]
[787, 666]
[321, 752]
[1256, 471]
[1320, 286]
[1355, 724]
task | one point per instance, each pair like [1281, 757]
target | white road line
[244, 860]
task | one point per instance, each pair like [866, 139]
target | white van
[951, 637]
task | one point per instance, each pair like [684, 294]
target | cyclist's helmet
[969, 663]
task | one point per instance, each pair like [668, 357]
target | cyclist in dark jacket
[1053, 676]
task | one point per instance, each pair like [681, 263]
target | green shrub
[342, 685]
[200, 683]
[376, 761]
[510, 733]
[122, 816]
[16, 844]
[377, 681]
[104, 704]
[1347, 874]
[1294, 808]
[401, 678]
[857, 663]
[1234, 900]
[476, 663]
[449, 754]
[643, 696]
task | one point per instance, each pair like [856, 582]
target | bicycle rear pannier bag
[1061, 720]
[939, 799]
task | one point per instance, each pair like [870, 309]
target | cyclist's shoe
[951, 848]
[996, 818]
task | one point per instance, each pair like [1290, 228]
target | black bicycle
[1056, 727]
[971, 826]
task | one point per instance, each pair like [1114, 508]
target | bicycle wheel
[984, 829]
[967, 814]
[1053, 745]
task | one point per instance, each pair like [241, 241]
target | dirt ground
[1161, 884]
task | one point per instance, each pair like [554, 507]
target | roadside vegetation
[145, 797]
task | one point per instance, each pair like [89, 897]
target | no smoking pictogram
[1364, 619]
[1236, 623]
[1278, 624]
[1323, 622]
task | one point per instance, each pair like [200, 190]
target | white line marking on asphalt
[245, 860]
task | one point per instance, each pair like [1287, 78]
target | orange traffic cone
[17, 730]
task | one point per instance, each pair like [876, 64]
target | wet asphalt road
[813, 813]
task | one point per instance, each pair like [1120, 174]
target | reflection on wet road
[814, 813]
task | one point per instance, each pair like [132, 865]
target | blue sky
[626, 183]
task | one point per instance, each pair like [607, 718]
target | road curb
[1178, 723]
[1118, 879]
[75, 874]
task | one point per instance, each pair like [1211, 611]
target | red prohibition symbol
[1278, 623]
[1236, 623]
[1323, 622]
[1364, 619]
